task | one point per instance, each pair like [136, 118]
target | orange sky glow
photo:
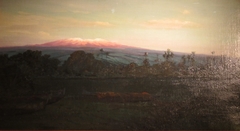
[180, 25]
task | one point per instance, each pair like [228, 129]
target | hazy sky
[180, 25]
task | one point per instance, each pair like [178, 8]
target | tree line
[19, 70]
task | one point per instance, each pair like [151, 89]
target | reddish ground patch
[123, 97]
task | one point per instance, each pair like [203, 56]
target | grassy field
[174, 107]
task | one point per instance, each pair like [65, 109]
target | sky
[179, 25]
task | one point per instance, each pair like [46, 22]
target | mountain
[106, 51]
[78, 42]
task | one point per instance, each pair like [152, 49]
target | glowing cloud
[103, 24]
[186, 12]
[170, 24]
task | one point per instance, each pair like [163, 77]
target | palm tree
[168, 54]
[213, 52]
[146, 61]
[188, 58]
[184, 59]
[106, 54]
[101, 52]
[193, 53]
[157, 60]
[145, 54]
[193, 58]
[213, 59]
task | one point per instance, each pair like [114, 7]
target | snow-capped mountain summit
[78, 42]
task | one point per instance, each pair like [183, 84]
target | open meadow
[174, 105]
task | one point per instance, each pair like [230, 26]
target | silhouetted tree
[145, 54]
[49, 65]
[213, 52]
[213, 58]
[34, 63]
[168, 67]
[188, 58]
[146, 63]
[193, 58]
[130, 67]
[157, 60]
[168, 54]
[18, 71]
[3, 60]
[182, 64]
[106, 54]
[80, 62]
[102, 52]
[13, 78]
[184, 59]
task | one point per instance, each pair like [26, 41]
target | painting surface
[110, 64]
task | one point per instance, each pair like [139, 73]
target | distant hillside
[103, 50]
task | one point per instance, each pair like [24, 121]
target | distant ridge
[78, 42]
[112, 52]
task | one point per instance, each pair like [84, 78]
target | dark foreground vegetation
[102, 95]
